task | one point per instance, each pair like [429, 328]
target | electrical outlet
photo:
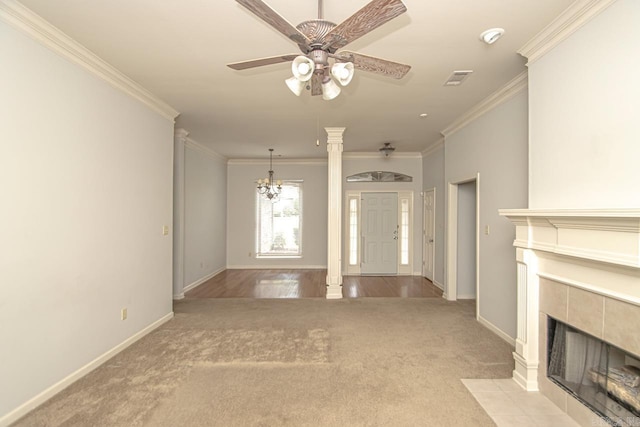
[165, 230]
[249, 254]
[123, 314]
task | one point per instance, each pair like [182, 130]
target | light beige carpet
[309, 362]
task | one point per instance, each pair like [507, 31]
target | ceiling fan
[319, 40]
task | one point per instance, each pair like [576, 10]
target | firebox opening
[603, 377]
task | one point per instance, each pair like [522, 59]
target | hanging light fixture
[387, 149]
[268, 187]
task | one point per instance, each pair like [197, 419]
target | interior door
[429, 233]
[379, 233]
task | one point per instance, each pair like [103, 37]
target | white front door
[379, 233]
[429, 232]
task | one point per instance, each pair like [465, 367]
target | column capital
[334, 135]
[181, 134]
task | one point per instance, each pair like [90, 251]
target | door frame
[451, 272]
[354, 270]
[424, 233]
[392, 239]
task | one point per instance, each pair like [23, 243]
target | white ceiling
[178, 51]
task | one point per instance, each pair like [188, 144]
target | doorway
[466, 244]
[462, 274]
[429, 227]
[379, 233]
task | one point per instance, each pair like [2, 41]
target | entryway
[379, 234]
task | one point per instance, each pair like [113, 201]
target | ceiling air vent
[457, 77]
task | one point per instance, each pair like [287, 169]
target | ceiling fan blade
[271, 17]
[316, 85]
[360, 23]
[261, 62]
[375, 65]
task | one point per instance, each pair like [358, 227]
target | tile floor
[509, 405]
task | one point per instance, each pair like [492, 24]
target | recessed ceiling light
[492, 35]
[423, 115]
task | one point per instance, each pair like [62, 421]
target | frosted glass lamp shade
[302, 68]
[330, 90]
[295, 85]
[342, 72]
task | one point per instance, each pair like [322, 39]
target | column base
[334, 292]
[525, 373]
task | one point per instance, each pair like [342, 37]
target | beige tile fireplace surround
[581, 267]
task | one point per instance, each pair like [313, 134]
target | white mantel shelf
[607, 235]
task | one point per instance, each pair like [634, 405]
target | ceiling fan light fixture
[343, 72]
[491, 35]
[295, 85]
[302, 68]
[330, 90]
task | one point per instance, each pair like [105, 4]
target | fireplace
[603, 377]
[581, 270]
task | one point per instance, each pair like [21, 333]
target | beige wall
[86, 184]
[241, 213]
[583, 107]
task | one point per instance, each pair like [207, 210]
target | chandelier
[268, 187]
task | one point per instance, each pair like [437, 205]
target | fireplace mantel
[610, 236]
[595, 250]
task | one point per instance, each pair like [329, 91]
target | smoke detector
[492, 35]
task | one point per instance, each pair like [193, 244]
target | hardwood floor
[309, 284]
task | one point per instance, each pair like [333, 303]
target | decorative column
[180, 138]
[526, 356]
[334, 243]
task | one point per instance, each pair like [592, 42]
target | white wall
[466, 245]
[241, 213]
[86, 184]
[433, 177]
[495, 145]
[583, 106]
[205, 213]
[412, 166]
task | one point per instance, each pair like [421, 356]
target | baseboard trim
[201, 281]
[179, 296]
[466, 296]
[499, 332]
[47, 394]
[438, 284]
[276, 267]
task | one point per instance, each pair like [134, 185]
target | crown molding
[500, 96]
[277, 161]
[433, 148]
[367, 155]
[575, 16]
[190, 143]
[26, 21]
